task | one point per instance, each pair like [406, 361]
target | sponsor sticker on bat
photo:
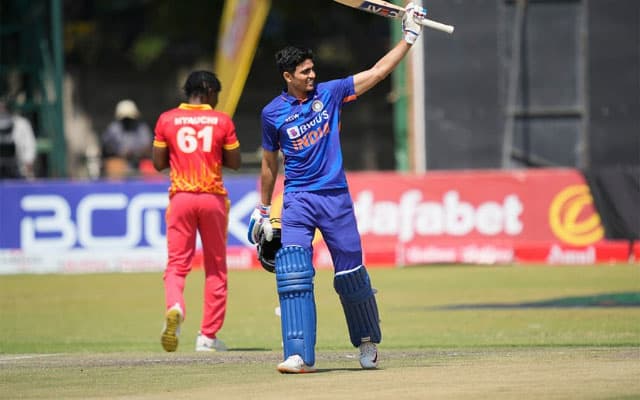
[379, 9]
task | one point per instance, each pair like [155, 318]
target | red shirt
[195, 135]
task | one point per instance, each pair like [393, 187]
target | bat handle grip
[435, 25]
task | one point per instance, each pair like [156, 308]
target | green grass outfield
[454, 332]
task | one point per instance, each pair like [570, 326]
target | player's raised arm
[365, 80]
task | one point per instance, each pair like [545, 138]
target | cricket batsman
[303, 122]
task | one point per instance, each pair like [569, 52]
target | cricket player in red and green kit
[196, 142]
[303, 123]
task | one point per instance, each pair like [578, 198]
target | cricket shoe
[172, 321]
[205, 343]
[368, 355]
[295, 365]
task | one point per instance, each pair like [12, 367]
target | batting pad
[359, 304]
[294, 275]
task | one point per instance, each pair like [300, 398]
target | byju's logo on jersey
[293, 132]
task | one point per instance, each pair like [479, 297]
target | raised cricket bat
[390, 10]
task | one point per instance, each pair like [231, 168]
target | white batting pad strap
[349, 270]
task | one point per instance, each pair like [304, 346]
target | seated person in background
[126, 141]
[17, 145]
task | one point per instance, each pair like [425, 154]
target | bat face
[377, 7]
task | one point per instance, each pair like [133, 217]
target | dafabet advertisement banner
[477, 217]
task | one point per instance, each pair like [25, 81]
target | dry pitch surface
[533, 373]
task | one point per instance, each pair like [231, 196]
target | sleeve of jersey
[231, 140]
[342, 89]
[269, 133]
[348, 90]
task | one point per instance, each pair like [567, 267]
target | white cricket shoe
[295, 365]
[368, 355]
[172, 321]
[204, 343]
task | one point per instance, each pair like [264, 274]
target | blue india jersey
[308, 134]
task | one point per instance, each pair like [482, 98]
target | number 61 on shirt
[188, 139]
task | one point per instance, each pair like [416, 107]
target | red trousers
[187, 214]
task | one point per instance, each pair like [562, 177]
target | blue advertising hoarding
[73, 226]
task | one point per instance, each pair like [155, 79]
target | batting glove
[260, 222]
[410, 28]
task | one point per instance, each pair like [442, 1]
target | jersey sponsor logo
[311, 128]
[293, 132]
[316, 121]
[291, 118]
[311, 138]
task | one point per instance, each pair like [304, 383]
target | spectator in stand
[17, 144]
[126, 141]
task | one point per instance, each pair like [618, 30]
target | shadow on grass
[626, 299]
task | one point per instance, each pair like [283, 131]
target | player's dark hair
[290, 57]
[200, 82]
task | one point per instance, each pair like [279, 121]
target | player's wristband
[264, 210]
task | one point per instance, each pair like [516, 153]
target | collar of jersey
[292, 100]
[187, 106]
